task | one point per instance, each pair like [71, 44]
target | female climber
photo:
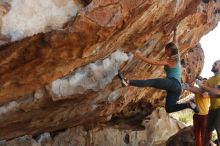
[172, 82]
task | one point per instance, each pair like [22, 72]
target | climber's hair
[174, 51]
[173, 48]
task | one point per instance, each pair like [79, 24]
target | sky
[211, 46]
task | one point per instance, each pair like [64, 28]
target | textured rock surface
[182, 138]
[156, 133]
[192, 62]
[31, 66]
[4, 8]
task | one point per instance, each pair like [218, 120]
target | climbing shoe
[124, 81]
[193, 107]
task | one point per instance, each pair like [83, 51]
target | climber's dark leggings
[171, 85]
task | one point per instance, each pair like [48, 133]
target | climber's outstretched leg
[172, 86]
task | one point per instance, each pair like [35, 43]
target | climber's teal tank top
[175, 72]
